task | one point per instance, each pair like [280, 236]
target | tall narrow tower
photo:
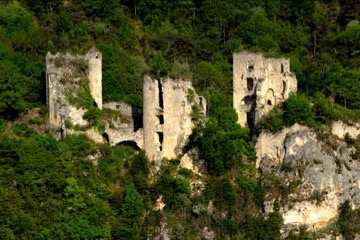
[94, 58]
[167, 115]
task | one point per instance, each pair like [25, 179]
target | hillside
[268, 181]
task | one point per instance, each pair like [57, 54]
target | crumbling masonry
[64, 72]
[260, 83]
[169, 105]
[168, 108]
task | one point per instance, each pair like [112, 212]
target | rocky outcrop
[315, 173]
[190, 160]
[340, 129]
[272, 145]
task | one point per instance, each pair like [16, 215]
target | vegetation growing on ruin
[80, 96]
[311, 111]
[60, 190]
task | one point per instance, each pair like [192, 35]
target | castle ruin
[168, 109]
[124, 125]
[259, 84]
[169, 105]
[65, 74]
[162, 130]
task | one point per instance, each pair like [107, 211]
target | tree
[297, 109]
[15, 18]
[131, 211]
[12, 89]
[74, 194]
[211, 74]
[348, 220]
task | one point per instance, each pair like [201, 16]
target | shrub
[297, 109]
[323, 109]
[348, 220]
[92, 115]
[180, 70]
[272, 122]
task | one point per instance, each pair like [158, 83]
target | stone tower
[167, 116]
[94, 74]
[64, 74]
[259, 84]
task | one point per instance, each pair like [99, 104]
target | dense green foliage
[311, 111]
[52, 190]
[187, 39]
[56, 190]
[221, 141]
[348, 220]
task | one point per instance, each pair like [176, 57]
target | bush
[92, 116]
[15, 18]
[297, 109]
[222, 192]
[216, 148]
[348, 220]
[272, 122]
[323, 109]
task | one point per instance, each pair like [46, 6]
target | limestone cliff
[315, 173]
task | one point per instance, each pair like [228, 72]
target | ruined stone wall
[62, 75]
[94, 59]
[64, 72]
[121, 128]
[259, 84]
[167, 116]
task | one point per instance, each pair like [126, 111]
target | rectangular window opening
[161, 119]
[250, 66]
[161, 97]
[161, 140]
[250, 118]
[250, 83]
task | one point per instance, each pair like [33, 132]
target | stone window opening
[250, 67]
[97, 56]
[161, 140]
[250, 83]
[106, 136]
[282, 68]
[161, 119]
[137, 116]
[249, 100]
[270, 97]
[250, 118]
[284, 89]
[161, 96]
